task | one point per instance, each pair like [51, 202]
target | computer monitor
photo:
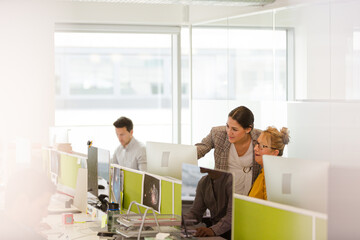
[191, 176]
[166, 159]
[117, 180]
[103, 163]
[98, 165]
[297, 182]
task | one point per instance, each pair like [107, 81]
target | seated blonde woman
[270, 142]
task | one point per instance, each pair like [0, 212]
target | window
[239, 63]
[101, 76]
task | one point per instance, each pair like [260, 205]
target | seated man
[27, 197]
[131, 153]
[213, 192]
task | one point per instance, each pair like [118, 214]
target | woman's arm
[205, 146]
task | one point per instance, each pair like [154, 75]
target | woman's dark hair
[124, 122]
[243, 116]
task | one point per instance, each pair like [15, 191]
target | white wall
[26, 73]
[118, 13]
[143, 14]
[326, 126]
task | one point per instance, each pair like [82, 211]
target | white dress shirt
[132, 156]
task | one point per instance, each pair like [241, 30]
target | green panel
[68, 170]
[321, 229]
[166, 197]
[132, 189]
[177, 199]
[257, 221]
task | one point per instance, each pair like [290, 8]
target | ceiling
[188, 2]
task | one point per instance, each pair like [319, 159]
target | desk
[198, 238]
[83, 227]
[87, 230]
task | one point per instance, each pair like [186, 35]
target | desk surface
[83, 228]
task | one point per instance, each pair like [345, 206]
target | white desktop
[166, 159]
[297, 182]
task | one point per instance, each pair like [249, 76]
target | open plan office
[172, 119]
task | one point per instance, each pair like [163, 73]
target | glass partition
[295, 66]
[239, 61]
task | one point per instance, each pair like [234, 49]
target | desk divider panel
[69, 164]
[69, 167]
[132, 188]
[177, 199]
[166, 198]
[321, 228]
[259, 219]
[132, 191]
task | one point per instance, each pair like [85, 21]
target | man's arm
[141, 159]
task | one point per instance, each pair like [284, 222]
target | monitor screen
[98, 165]
[117, 179]
[166, 159]
[103, 156]
[191, 175]
[297, 182]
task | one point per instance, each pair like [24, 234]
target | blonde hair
[276, 139]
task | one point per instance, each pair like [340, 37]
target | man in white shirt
[131, 153]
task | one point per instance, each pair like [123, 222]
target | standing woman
[234, 148]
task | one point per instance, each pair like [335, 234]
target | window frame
[174, 31]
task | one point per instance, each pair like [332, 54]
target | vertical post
[176, 87]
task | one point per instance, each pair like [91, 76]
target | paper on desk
[83, 218]
[162, 236]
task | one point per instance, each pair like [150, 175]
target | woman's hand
[204, 232]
